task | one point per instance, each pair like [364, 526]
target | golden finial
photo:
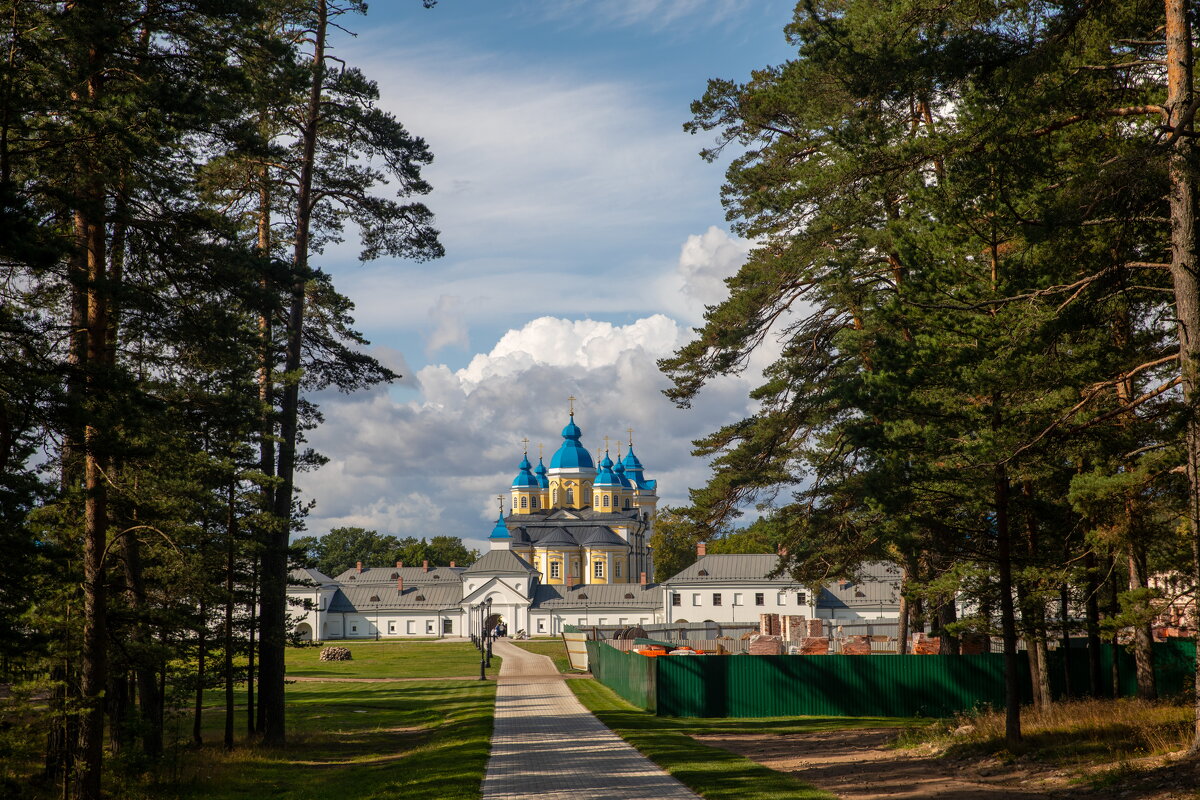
[606, 444]
[525, 441]
[630, 431]
[500, 498]
[571, 404]
[540, 446]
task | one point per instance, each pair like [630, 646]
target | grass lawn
[350, 740]
[404, 659]
[555, 648]
[711, 772]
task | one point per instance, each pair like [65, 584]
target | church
[573, 550]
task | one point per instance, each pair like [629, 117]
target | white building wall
[734, 603]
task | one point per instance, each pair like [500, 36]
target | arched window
[556, 497]
[535, 504]
[626, 502]
[606, 501]
[524, 502]
[570, 497]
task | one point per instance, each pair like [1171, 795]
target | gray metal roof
[732, 567]
[552, 537]
[599, 535]
[390, 574]
[500, 561]
[307, 575]
[876, 584]
[610, 595]
[379, 597]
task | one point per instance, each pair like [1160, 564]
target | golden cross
[526, 442]
[500, 497]
[606, 444]
[540, 446]
[630, 430]
[571, 401]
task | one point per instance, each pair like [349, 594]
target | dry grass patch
[1075, 733]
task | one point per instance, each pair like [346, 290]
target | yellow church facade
[577, 522]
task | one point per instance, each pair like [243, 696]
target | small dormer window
[420, 598]
[629, 595]
[374, 598]
[703, 573]
[582, 596]
[351, 577]
[437, 577]
[395, 575]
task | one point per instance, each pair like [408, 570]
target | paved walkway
[547, 746]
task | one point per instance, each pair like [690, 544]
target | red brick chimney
[451, 565]
[399, 585]
[701, 549]
[359, 564]
[425, 565]
[399, 565]
[643, 579]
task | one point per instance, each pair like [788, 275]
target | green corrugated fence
[836, 685]
[628, 674]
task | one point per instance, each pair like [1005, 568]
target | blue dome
[501, 530]
[540, 472]
[571, 455]
[605, 477]
[631, 461]
[525, 478]
[619, 472]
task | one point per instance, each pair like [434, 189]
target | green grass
[555, 648]
[709, 771]
[406, 659]
[348, 741]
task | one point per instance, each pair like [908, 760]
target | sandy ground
[858, 765]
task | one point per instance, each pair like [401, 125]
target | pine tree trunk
[1182, 201]
[253, 723]
[902, 620]
[274, 580]
[1143, 639]
[230, 538]
[201, 648]
[1092, 605]
[1008, 620]
[1064, 621]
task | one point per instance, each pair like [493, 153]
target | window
[598, 569]
[391, 627]
[524, 502]
[737, 599]
[581, 621]
[411, 627]
[759, 599]
[716, 598]
[606, 501]
[555, 569]
[617, 569]
[541, 626]
[535, 504]
[696, 599]
[801, 598]
[447, 626]
[308, 605]
[782, 599]
[429, 626]
[354, 629]
[556, 497]
[676, 599]
[570, 497]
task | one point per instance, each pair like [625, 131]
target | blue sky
[584, 236]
